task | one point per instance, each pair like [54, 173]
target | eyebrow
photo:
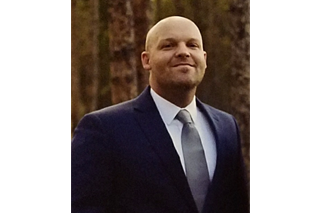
[174, 40]
[192, 40]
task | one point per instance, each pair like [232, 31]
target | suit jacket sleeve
[229, 190]
[241, 182]
[91, 168]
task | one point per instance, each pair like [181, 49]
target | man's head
[174, 55]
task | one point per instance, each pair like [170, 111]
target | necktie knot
[184, 116]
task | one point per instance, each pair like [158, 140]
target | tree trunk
[122, 51]
[158, 10]
[83, 51]
[142, 20]
[85, 58]
[95, 54]
[179, 7]
[75, 101]
[240, 91]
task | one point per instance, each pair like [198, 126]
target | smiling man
[165, 151]
[175, 58]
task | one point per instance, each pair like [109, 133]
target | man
[142, 156]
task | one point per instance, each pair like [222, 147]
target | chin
[189, 85]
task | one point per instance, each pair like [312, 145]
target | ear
[205, 57]
[145, 59]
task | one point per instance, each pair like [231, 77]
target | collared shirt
[168, 112]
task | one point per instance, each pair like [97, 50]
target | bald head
[165, 25]
[175, 58]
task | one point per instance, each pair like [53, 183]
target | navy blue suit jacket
[123, 160]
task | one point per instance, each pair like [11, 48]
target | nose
[182, 51]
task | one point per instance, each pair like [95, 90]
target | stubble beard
[189, 84]
[181, 83]
[184, 85]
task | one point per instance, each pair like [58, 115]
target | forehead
[177, 29]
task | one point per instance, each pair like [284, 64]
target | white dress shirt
[168, 112]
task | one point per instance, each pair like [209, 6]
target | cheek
[201, 62]
[157, 63]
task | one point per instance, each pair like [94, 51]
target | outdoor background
[107, 38]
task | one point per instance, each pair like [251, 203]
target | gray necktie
[194, 158]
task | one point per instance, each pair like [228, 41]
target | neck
[181, 97]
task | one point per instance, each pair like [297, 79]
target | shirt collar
[168, 110]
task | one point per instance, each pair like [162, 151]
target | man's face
[175, 56]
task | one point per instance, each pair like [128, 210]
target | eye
[167, 45]
[193, 45]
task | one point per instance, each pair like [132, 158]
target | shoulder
[116, 116]
[106, 118]
[125, 108]
[220, 119]
[214, 112]
[117, 110]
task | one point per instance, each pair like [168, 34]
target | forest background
[107, 38]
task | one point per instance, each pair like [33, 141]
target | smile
[183, 64]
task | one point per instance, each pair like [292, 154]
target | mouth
[183, 64]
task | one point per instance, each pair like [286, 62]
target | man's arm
[91, 168]
[241, 182]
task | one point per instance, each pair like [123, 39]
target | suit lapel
[215, 127]
[218, 132]
[215, 188]
[150, 121]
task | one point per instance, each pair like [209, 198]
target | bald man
[132, 157]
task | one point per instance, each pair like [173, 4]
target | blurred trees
[129, 22]
[240, 70]
[108, 38]
[89, 58]
[142, 10]
[123, 70]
